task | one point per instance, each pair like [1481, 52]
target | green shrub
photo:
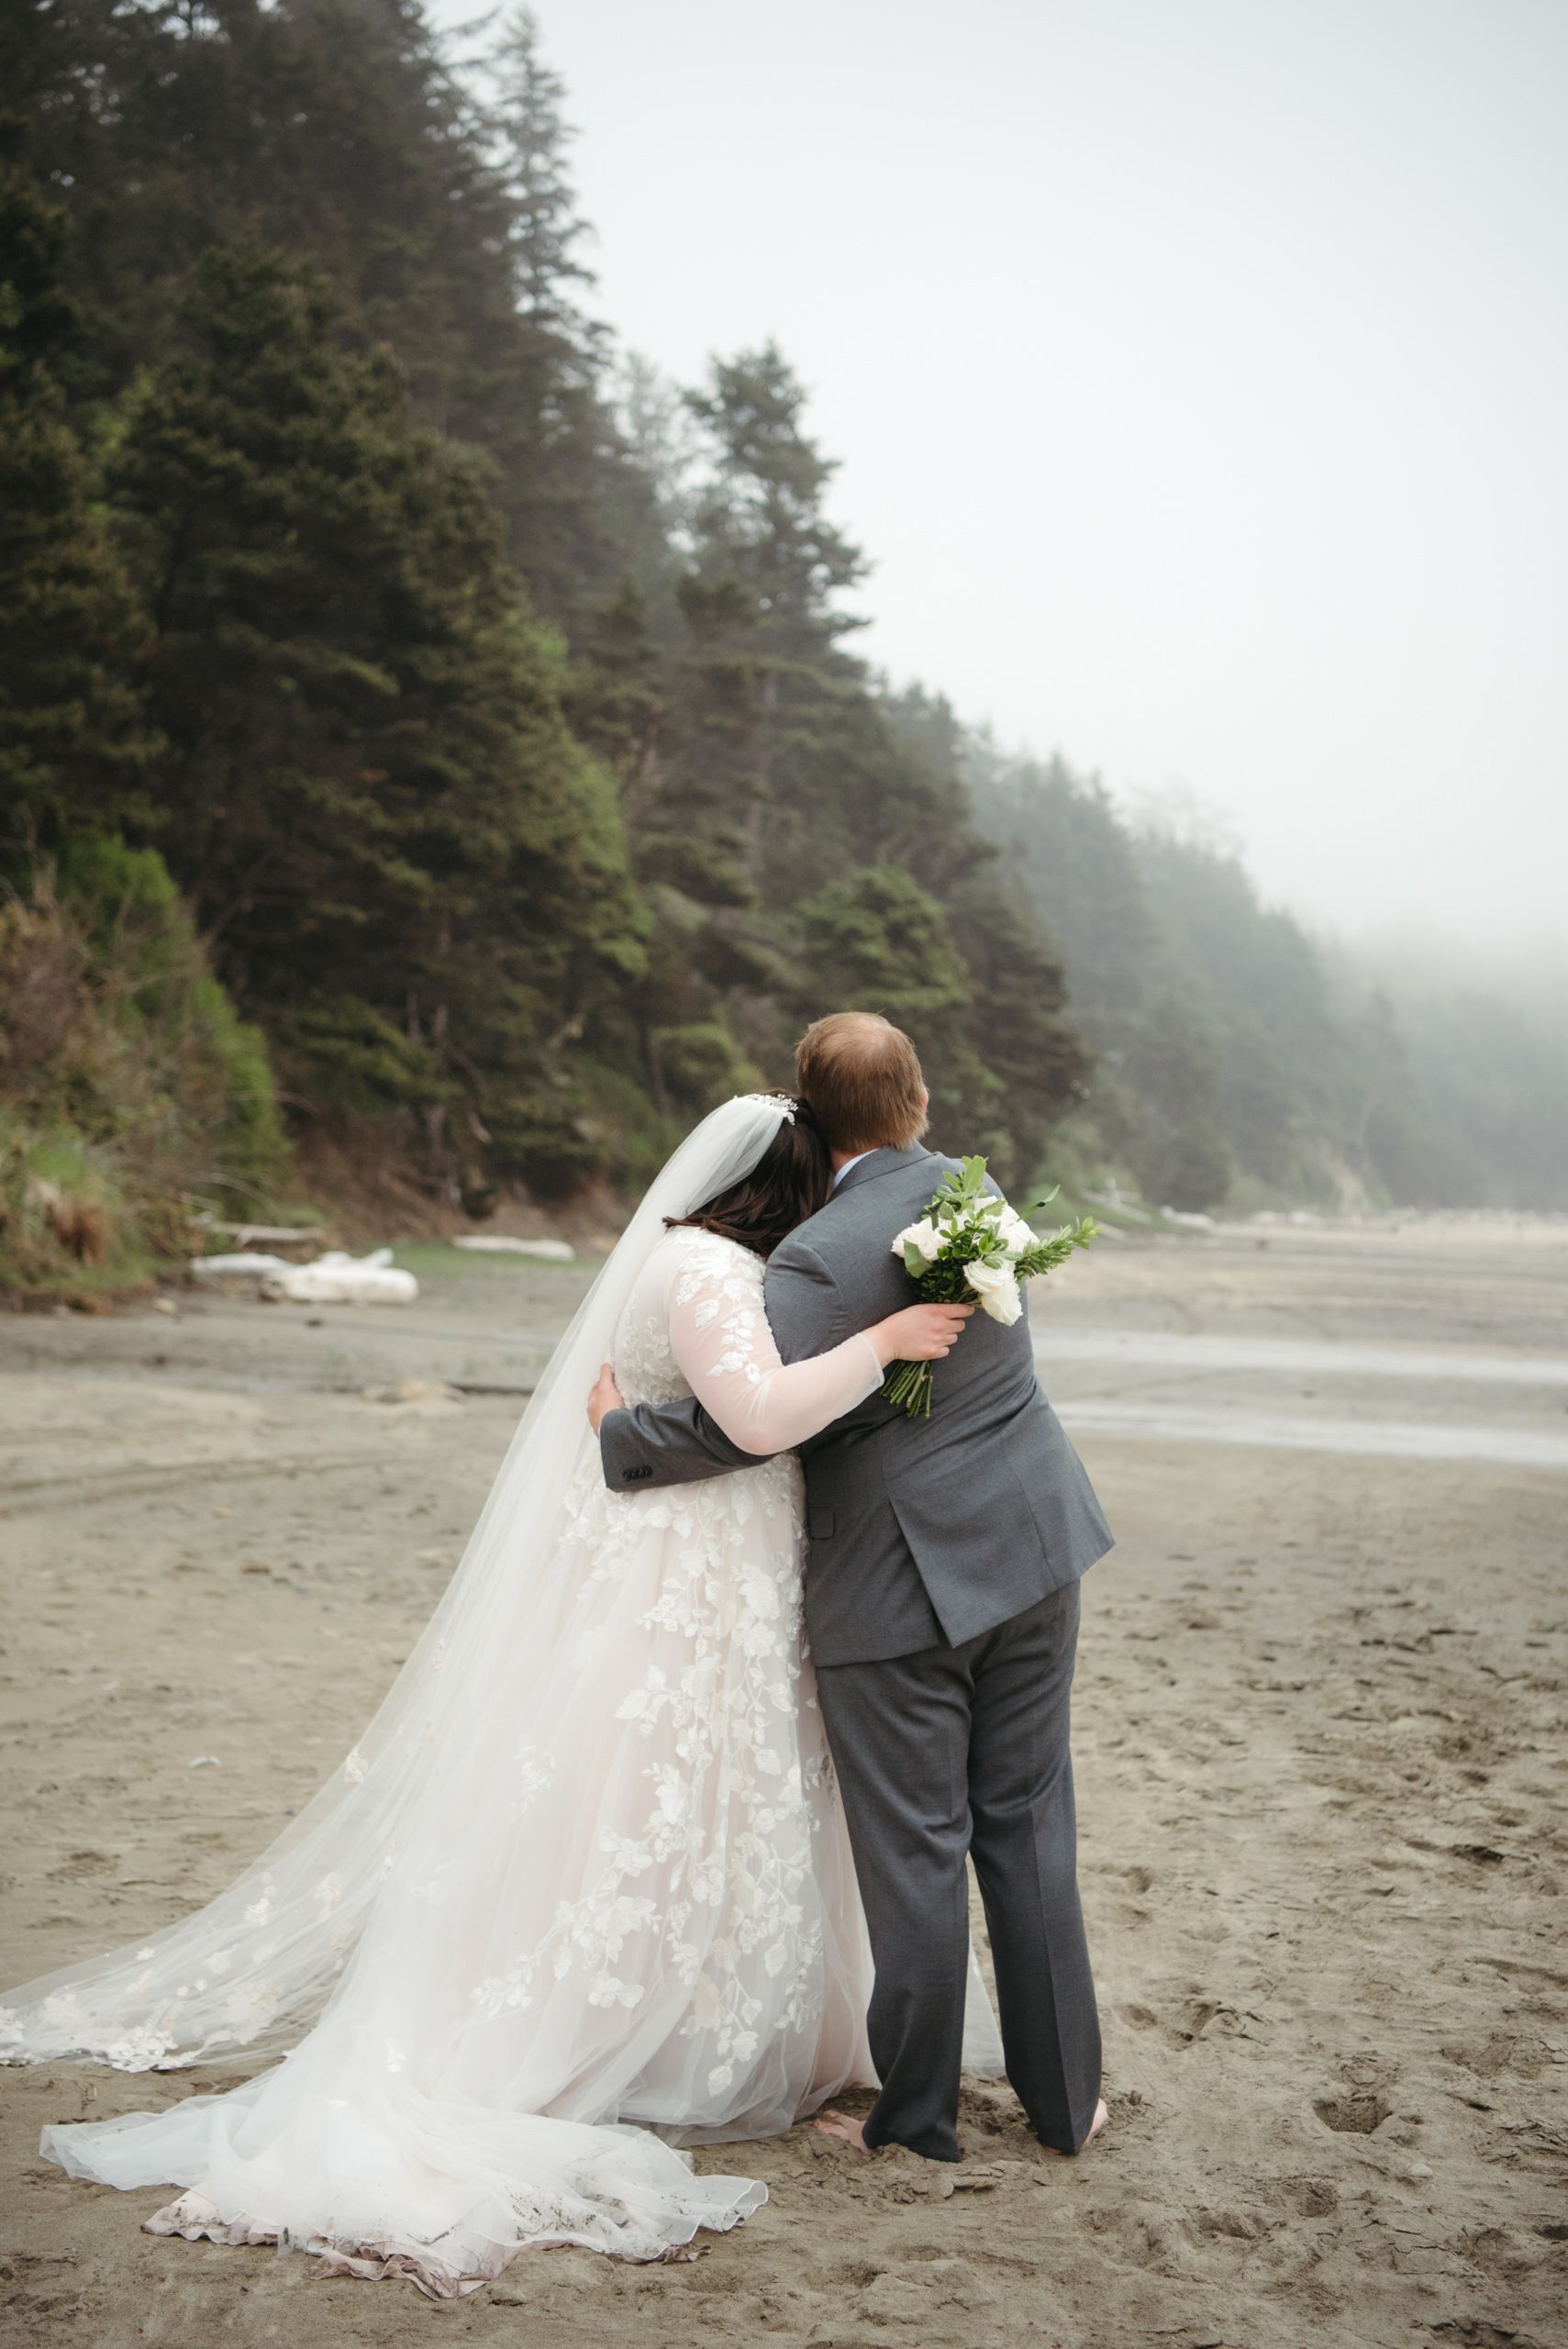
[135, 1096]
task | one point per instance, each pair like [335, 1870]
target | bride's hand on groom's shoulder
[604, 1395]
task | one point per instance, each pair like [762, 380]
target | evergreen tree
[560, 469]
[767, 686]
[876, 942]
[403, 797]
[404, 863]
[652, 501]
[339, 134]
[73, 742]
[1061, 835]
[1259, 986]
[546, 226]
[1025, 1066]
[779, 764]
[744, 808]
[614, 698]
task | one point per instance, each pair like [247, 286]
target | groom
[942, 1606]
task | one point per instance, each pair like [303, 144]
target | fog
[1198, 376]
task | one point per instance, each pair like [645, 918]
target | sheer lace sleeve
[721, 1341]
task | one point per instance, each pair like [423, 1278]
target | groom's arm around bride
[942, 1607]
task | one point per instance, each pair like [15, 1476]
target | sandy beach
[1321, 1770]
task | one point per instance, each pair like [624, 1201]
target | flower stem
[908, 1385]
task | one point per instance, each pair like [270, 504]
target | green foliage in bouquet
[971, 1248]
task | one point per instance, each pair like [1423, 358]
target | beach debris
[337, 1278]
[411, 1390]
[254, 1267]
[334, 1278]
[553, 1251]
[204, 1761]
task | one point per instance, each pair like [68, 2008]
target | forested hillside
[487, 711]
[1238, 1058]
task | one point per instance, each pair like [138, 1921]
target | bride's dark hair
[791, 1180]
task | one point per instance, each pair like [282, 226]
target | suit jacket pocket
[819, 1523]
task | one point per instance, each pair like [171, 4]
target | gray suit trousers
[948, 1751]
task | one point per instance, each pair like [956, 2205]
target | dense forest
[421, 723]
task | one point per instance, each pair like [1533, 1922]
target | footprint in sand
[1308, 2198]
[79, 1864]
[1353, 2113]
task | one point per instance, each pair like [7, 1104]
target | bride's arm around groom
[921, 1528]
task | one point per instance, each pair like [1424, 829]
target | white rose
[1015, 1232]
[996, 1286]
[923, 1236]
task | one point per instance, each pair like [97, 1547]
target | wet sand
[1321, 1773]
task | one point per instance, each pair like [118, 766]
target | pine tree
[780, 762]
[405, 864]
[1022, 1065]
[559, 465]
[876, 942]
[713, 806]
[73, 739]
[441, 214]
[1020, 1033]
[614, 698]
[546, 227]
[768, 690]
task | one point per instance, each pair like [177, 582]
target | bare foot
[1095, 2125]
[840, 2125]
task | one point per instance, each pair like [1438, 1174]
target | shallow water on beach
[1402, 1348]
[1176, 1350]
[1388, 1439]
[1405, 1346]
[1394, 1402]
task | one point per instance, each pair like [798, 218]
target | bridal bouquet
[971, 1247]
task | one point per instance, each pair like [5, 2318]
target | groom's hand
[604, 1395]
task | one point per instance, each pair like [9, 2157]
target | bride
[582, 1893]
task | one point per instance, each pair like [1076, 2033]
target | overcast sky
[1199, 368]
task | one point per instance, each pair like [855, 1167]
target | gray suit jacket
[921, 1529]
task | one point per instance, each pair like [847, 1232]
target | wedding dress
[581, 1894]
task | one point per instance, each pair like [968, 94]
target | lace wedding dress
[581, 1894]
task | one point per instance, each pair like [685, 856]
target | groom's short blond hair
[861, 1076]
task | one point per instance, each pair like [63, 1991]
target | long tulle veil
[244, 1975]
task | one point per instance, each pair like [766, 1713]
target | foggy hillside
[419, 728]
